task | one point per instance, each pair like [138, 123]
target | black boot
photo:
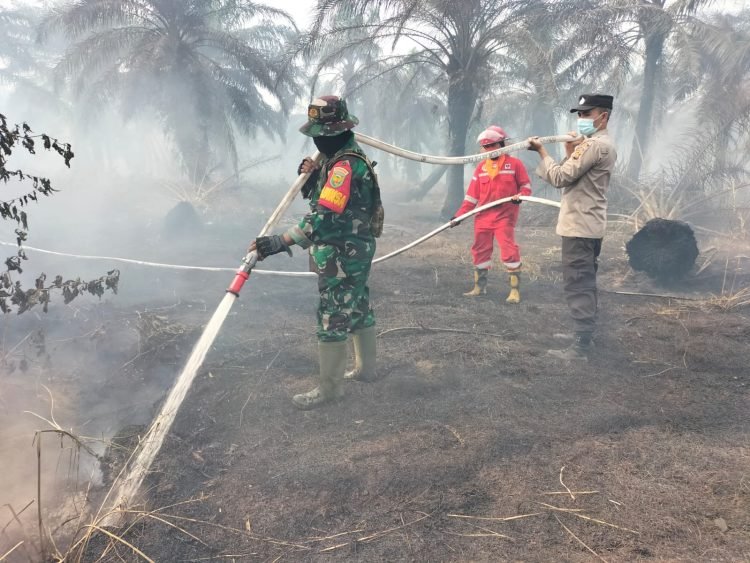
[579, 350]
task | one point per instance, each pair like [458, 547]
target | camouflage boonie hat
[327, 116]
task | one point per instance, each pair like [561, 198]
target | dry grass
[547, 510]
[671, 310]
[730, 301]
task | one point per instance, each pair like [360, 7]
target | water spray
[126, 485]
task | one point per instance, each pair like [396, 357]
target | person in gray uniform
[584, 177]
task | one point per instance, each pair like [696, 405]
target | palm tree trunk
[642, 135]
[462, 98]
[722, 150]
[543, 123]
[411, 170]
[429, 183]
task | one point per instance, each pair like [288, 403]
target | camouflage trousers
[342, 282]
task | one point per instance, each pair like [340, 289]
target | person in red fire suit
[496, 178]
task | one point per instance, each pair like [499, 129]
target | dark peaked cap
[591, 101]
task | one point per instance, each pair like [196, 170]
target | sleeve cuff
[299, 237]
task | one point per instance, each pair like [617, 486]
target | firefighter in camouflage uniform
[339, 231]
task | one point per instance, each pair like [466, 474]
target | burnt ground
[465, 428]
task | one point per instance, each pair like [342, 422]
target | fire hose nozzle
[243, 272]
[250, 260]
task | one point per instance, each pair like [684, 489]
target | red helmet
[493, 134]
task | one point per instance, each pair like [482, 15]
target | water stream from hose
[130, 478]
[151, 443]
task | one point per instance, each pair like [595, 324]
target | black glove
[515, 201]
[306, 190]
[309, 185]
[454, 223]
[267, 246]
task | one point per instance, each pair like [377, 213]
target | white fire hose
[454, 160]
[388, 256]
[392, 149]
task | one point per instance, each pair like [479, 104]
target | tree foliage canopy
[12, 292]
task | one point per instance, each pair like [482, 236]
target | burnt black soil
[464, 425]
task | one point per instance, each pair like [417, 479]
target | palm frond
[207, 68]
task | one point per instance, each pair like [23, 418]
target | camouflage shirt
[341, 201]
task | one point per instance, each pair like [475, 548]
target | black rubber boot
[578, 351]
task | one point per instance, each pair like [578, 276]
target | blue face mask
[586, 126]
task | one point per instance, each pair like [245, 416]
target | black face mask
[331, 145]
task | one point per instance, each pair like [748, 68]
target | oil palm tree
[545, 68]
[413, 111]
[647, 26]
[714, 63]
[458, 39]
[205, 68]
[16, 42]
[25, 66]
[351, 72]
[407, 115]
[23, 62]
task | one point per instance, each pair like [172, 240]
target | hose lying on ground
[388, 256]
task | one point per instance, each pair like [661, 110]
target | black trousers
[579, 262]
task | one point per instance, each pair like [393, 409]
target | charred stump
[181, 221]
[664, 249]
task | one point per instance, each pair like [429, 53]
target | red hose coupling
[238, 282]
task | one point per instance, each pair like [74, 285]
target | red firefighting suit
[492, 180]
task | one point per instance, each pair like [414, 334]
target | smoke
[123, 196]
[131, 193]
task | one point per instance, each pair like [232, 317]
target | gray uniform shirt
[584, 179]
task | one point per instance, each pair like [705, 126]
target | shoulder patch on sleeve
[580, 149]
[337, 189]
